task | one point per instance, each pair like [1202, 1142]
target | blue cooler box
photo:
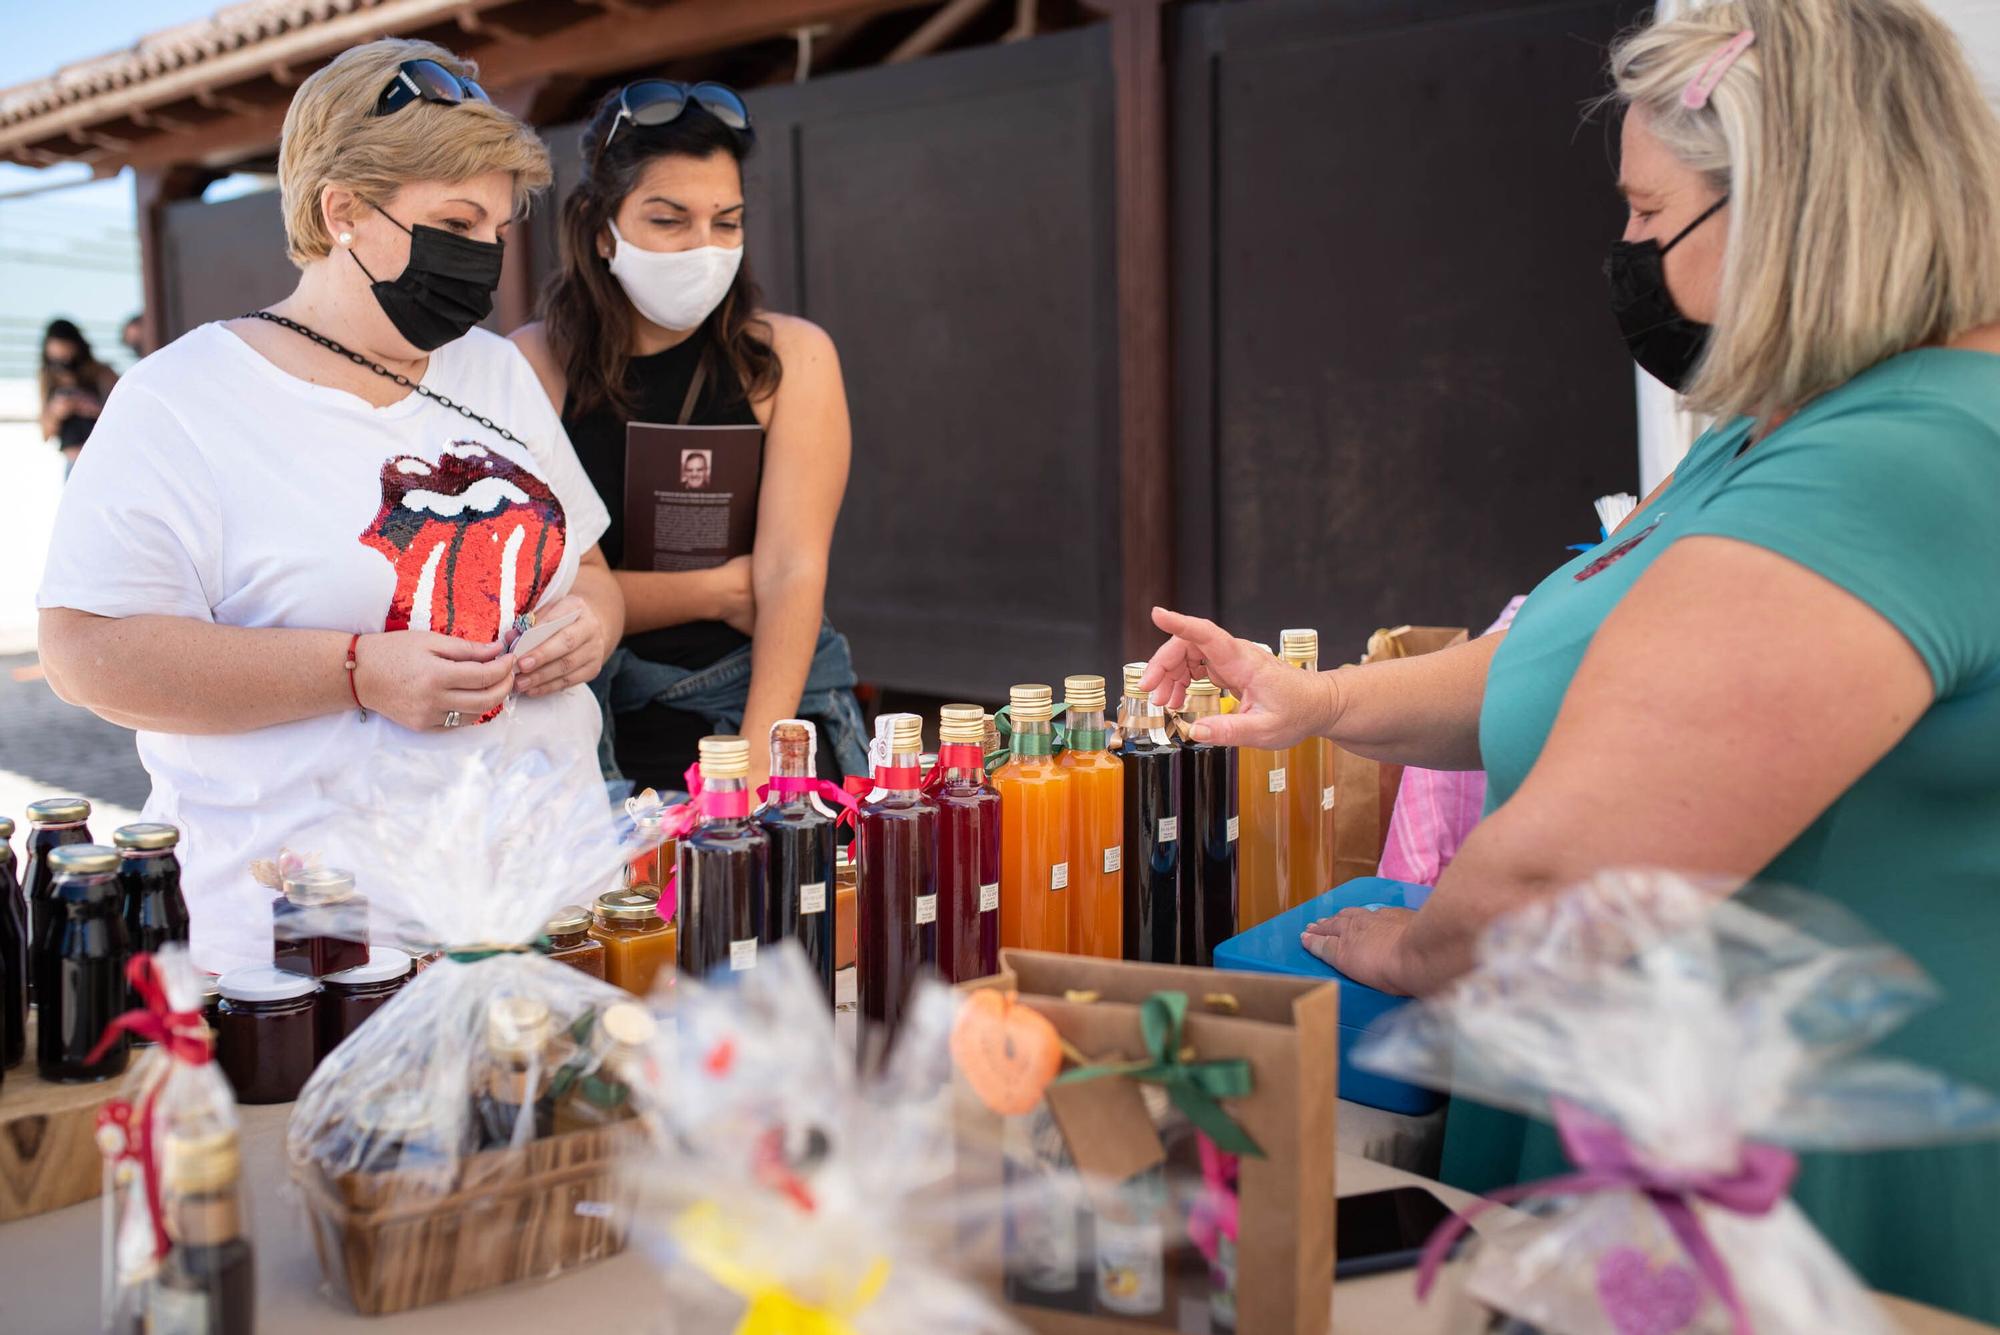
[1273, 947]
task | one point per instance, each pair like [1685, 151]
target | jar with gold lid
[569, 940]
[637, 943]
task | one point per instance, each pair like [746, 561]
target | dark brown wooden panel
[223, 259]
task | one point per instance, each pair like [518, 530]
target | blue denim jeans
[718, 693]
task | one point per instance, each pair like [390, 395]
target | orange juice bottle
[1264, 854]
[1096, 826]
[1034, 830]
[1307, 791]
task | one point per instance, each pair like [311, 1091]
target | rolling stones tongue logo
[475, 539]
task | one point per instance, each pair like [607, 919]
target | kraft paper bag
[1364, 790]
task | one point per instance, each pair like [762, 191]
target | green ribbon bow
[474, 954]
[1194, 1087]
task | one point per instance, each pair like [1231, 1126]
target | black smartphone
[1384, 1230]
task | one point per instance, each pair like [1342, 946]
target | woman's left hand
[1366, 945]
[568, 658]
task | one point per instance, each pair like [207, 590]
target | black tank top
[657, 386]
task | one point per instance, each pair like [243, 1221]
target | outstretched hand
[1277, 704]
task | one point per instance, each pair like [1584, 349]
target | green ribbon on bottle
[1193, 1086]
[1035, 744]
[487, 950]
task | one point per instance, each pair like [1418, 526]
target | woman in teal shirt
[1785, 666]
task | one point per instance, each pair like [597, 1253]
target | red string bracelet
[352, 642]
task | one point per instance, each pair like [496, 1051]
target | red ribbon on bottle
[184, 1037]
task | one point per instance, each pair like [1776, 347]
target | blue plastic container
[1273, 947]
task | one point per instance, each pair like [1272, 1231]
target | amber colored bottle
[1153, 856]
[1309, 791]
[896, 886]
[1208, 834]
[1035, 851]
[1264, 855]
[799, 899]
[968, 848]
[1096, 826]
[724, 868]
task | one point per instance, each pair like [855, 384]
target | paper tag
[1234, 823]
[1114, 857]
[742, 955]
[812, 897]
[1170, 829]
[1107, 1128]
[1059, 876]
[1278, 780]
[926, 909]
[1326, 798]
[989, 897]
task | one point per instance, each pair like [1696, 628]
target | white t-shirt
[221, 488]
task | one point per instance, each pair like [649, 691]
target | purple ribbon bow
[1606, 1161]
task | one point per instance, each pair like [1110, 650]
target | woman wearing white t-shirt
[303, 540]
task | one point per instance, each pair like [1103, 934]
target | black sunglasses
[663, 101]
[426, 81]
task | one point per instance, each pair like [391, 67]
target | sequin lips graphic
[475, 539]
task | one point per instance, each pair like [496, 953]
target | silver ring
[451, 718]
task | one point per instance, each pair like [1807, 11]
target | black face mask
[1665, 343]
[445, 289]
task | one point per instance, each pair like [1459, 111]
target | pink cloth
[1435, 811]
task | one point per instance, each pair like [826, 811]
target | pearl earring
[347, 238]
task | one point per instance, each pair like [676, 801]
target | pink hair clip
[1695, 96]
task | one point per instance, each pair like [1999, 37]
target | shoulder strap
[695, 384]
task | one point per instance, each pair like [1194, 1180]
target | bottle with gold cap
[1096, 825]
[724, 865]
[1310, 792]
[52, 823]
[1035, 850]
[896, 838]
[13, 956]
[1152, 759]
[1264, 855]
[80, 965]
[968, 848]
[511, 1100]
[208, 1282]
[799, 898]
[1208, 833]
[149, 884]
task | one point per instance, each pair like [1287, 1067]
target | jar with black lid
[266, 1033]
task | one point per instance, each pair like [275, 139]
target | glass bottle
[267, 1032]
[1310, 794]
[896, 937]
[637, 943]
[570, 941]
[52, 823]
[603, 1095]
[80, 965]
[1152, 828]
[208, 1283]
[1035, 850]
[1130, 1241]
[1265, 853]
[319, 924]
[1208, 834]
[1096, 826]
[510, 1087]
[968, 856]
[799, 898]
[149, 881]
[13, 955]
[724, 866]
[1047, 1257]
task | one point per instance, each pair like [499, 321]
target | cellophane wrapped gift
[786, 1193]
[1685, 1041]
[466, 1136]
[175, 1111]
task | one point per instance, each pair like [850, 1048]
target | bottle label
[1059, 876]
[742, 955]
[1114, 857]
[1235, 825]
[1170, 829]
[177, 1309]
[1131, 1267]
[989, 897]
[1278, 780]
[1326, 798]
[812, 897]
[926, 909]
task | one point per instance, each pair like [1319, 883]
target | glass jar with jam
[637, 944]
[570, 940]
[319, 924]
[349, 997]
[511, 1100]
[266, 1033]
[80, 959]
[149, 881]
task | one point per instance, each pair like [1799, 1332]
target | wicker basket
[390, 1245]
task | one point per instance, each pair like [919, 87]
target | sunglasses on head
[426, 81]
[663, 101]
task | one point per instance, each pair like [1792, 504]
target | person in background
[1785, 666]
[74, 386]
[133, 336]
[652, 295]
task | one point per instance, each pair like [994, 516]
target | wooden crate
[48, 1139]
[390, 1243]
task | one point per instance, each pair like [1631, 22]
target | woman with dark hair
[74, 386]
[652, 317]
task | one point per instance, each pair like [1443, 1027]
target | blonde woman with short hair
[304, 541]
[1786, 665]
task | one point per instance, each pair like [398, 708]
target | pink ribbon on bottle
[792, 785]
[1607, 1161]
[678, 822]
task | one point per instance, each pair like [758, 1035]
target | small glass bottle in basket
[511, 1102]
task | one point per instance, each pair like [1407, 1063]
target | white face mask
[675, 289]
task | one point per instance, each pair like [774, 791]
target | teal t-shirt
[1890, 488]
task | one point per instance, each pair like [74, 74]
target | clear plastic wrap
[496, 1086]
[785, 1194]
[1686, 1039]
